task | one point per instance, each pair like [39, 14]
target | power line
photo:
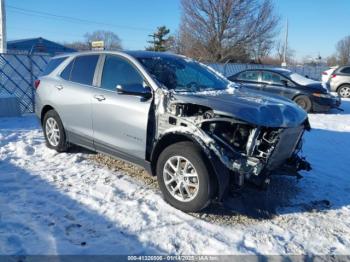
[24, 29]
[41, 16]
[69, 18]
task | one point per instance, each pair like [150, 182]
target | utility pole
[284, 64]
[3, 40]
[153, 42]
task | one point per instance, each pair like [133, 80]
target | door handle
[99, 97]
[59, 87]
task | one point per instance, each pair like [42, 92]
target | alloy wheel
[181, 178]
[52, 132]
[345, 91]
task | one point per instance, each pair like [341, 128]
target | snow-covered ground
[67, 204]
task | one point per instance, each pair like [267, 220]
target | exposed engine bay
[249, 151]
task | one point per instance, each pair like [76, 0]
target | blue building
[37, 46]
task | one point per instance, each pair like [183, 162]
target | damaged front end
[238, 150]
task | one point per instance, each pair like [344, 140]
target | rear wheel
[183, 177]
[304, 102]
[344, 91]
[54, 133]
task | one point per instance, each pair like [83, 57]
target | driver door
[119, 120]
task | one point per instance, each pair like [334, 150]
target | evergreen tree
[160, 41]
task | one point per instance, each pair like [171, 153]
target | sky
[315, 26]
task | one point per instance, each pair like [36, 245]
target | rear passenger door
[250, 79]
[74, 98]
[120, 120]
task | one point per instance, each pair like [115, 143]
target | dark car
[311, 95]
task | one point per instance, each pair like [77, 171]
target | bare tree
[332, 60]
[270, 60]
[227, 30]
[111, 40]
[78, 45]
[343, 50]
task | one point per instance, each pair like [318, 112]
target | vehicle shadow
[344, 108]
[256, 203]
[38, 219]
[74, 149]
[326, 187]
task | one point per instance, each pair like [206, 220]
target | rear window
[53, 64]
[81, 70]
[84, 69]
[346, 70]
[66, 72]
[249, 76]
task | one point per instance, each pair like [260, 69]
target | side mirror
[135, 89]
[285, 82]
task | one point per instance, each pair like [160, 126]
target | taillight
[333, 76]
[36, 83]
[325, 73]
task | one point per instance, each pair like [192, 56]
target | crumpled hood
[249, 106]
[318, 87]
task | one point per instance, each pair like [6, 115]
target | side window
[53, 64]
[83, 70]
[346, 70]
[272, 78]
[118, 71]
[252, 76]
[66, 72]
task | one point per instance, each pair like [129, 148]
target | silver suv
[179, 119]
[340, 81]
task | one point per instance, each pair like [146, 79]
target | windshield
[301, 80]
[183, 75]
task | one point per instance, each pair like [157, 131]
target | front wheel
[304, 102]
[183, 177]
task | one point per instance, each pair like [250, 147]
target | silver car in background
[339, 81]
[179, 119]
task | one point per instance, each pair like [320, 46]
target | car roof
[277, 70]
[150, 54]
[135, 54]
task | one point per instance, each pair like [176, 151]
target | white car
[327, 74]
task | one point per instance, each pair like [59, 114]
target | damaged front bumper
[266, 150]
[238, 151]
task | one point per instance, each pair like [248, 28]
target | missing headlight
[233, 134]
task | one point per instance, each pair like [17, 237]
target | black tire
[206, 185]
[344, 91]
[304, 102]
[62, 145]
